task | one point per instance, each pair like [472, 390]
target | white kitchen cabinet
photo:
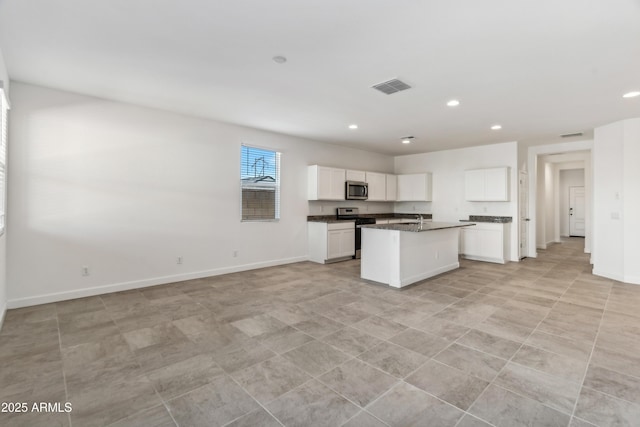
[414, 187]
[487, 185]
[325, 183]
[392, 187]
[377, 186]
[382, 221]
[486, 242]
[360, 176]
[330, 242]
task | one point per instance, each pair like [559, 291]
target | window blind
[260, 184]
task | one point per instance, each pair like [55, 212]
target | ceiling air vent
[569, 135]
[391, 86]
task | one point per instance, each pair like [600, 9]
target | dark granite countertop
[332, 218]
[415, 228]
[488, 218]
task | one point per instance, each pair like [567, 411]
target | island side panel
[427, 254]
[380, 256]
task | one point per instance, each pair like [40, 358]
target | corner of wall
[3, 312]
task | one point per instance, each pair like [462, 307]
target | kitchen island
[401, 254]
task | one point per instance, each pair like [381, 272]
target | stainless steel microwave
[356, 190]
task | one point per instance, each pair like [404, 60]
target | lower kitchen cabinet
[330, 242]
[486, 242]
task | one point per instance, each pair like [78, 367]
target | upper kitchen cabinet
[414, 187]
[326, 183]
[377, 186]
[487, 185]
[392, 187]
[360, 176]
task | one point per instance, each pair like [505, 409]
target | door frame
[532, 169]
[523, 250]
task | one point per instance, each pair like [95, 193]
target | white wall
[4, 82]
[631, 200]
[568, 178]
[549, 211]
[617, 201]
[448, 169]
[608, 238]
[125, 190]
[541, 205]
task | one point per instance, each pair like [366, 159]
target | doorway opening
[553, 169]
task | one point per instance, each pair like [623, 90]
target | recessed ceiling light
[496, 127]
[407, 139]
[453, 103]
[631, 94]
[279, 59]
[353, 126]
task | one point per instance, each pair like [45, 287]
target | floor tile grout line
[363, 411]
[139, 365]
[166, 407]
[64, 375]
[361, 408]
[492, 382]
[467, 414]
[257, 401]
[509, 361]
[432, 358]
[612, 396]
[595, 340]
[570, 288]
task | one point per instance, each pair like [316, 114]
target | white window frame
[277, 184]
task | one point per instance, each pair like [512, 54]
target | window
[260, 183]
[4, 107]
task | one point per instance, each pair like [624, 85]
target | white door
[523, 198]
[576, 211]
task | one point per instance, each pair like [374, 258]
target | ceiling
[538, 68]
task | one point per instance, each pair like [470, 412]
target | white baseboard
[634, 280]
[418, 277]
[613, 276]
[541, 246]
[126, 286]
[631, 280]
[485, 259]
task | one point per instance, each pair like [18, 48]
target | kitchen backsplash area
[326, 207]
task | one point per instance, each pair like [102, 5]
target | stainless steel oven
[356, 190]
[353, 213]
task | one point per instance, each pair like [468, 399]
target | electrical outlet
[179, 260]
[85, 270]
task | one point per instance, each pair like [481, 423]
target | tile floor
[536, 343]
